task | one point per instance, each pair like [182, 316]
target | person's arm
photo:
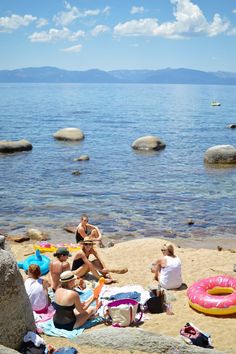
[81, 231]
[81, 308]
[88, 302]
[46, 284]
[93, 227]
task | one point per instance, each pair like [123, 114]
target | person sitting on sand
[85, 229]
[70, 312]
[167, 269]
[37, 289]
[59, 266]
[82, 265]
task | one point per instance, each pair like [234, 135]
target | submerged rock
[220, 154]
[82, 158]
[8, 147]
[69, 134]
[148, 142]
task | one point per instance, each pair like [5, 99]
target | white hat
[66, 276]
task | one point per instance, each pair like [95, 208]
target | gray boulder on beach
[148, 142]
[16, 316]
[220, 154]
[8, 146]
[137, 339]
[69, 134]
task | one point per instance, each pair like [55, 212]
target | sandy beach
[137, 256]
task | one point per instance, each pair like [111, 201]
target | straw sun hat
[66, 276]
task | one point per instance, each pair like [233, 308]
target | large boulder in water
[69, 134]
[8, 146]
[148, 142]
[220, 154]
[16, 316]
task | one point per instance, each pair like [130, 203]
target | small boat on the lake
[215, 104]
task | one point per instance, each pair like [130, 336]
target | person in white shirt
[167, 269]
[37, 289]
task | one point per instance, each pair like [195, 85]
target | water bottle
[169, 309]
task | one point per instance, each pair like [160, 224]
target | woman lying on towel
[82, 265]
[70, 312]
[37, 289]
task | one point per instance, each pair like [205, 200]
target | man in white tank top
[167, 269]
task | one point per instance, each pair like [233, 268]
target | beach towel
[50, 330]
[43, 317]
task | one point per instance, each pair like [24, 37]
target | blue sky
[118, 34]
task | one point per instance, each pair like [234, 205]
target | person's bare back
[59, 266]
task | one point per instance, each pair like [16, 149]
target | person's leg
[156, 268]
[81, 271]
[103, 271]
[83, 317]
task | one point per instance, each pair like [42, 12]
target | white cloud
[55, 35]
[41, 22]
[106, 10]
[8, 24]
[99, 29]
[75, 49]
[75, 35]
[142, 27]
[64, 18]
[137, 10]
[190, 21]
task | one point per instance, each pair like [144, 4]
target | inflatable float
[214, 295]
[49, 247]
[42, 261]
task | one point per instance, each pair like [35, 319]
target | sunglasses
[88, 244]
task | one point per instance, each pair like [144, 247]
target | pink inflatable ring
[214, 295]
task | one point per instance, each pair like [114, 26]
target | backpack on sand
[193, 335]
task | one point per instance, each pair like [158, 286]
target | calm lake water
[126, 193]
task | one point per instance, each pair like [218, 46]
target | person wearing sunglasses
[167, 269]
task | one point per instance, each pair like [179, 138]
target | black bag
[195, 336]
[156, 304]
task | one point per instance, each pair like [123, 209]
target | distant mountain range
[163, 76]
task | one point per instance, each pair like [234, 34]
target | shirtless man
[85, 229]
[59, 266]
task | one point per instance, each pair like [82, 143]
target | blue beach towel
[50, 330]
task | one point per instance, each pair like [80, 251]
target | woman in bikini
[70, 311]
[82, 265]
